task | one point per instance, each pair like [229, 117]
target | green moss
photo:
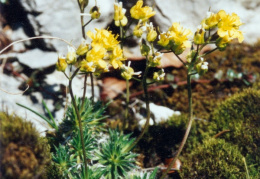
[215, 158]
[241, 115]
[23, 153]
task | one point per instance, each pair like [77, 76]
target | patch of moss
[23, 153]
[215, 158]
[241, 115]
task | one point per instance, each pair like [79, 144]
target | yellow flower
[119, 11]
[138, 31]
[127, 72]
[142, 13]
[83, 48]
[96, 53]
[223, 42]
[116, 57]
[61, 65]
[211, 21]
[163, 39]
[159, 76]
[87, 66]
[178, 38]
[199, 36]
[155, 61]
[152, 34]
[229, 25]
[103, 38]
[71, 57]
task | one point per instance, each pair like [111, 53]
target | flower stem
[144, 84]
[84, 92]
[79, 120]
[92, 87]
[188, 127]
[127, 105]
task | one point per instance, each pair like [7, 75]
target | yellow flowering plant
[105, 51]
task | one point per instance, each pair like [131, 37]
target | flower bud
[94, 11]
[145, 49]
[151, 35]
[83, 4]
[155, 61]
[83, 48]
[202, 67]
[138, 32]
[119, 11]
[71, 57]
[61, 65]
[199, 37]
[122, 22]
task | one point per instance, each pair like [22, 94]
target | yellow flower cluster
[227, 25]
[141, 13]
[105, 51]
[97, 57]
[175, 39]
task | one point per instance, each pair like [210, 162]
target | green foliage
[23, 153]
[215, 158]
[115, 157]
[241, 115]
[91, 116]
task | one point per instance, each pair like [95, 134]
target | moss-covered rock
[241, 115]
[215, 158]
[23, 153]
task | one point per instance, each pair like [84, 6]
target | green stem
[127, 105]
[79, 120]
[187, 130]
[84, 92]
[92, 87]
[144, 84]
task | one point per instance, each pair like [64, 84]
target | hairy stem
[79, 120]
[187, 130]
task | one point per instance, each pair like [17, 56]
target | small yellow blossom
[155, 61]
[87, 66]
[152, 34]
[83, 48]
[229, 25]
[164, 39]
[127, 72]
[141, 13]
[210, 21]
[223, 42]
[159, 76]
[138, 31]
[71, 57]
[176, 38]
[61, 65]
[116, 57]
[103, 38]
[96, 53]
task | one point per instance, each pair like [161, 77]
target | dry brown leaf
[112, 87]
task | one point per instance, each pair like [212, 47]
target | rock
[158, 114]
